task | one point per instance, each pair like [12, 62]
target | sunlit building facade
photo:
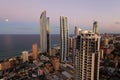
[44, 33]
[25, 55]
[5, 65]
[35, 51]
[86, 50]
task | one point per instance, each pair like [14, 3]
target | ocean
[13, 45]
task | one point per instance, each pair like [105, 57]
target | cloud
[6, 20]
[117, 22]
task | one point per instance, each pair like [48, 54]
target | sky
[22, 16]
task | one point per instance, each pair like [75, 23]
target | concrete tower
[77, 30]
[86, 49]
[63, 38]
[95, 27]
[35, 51]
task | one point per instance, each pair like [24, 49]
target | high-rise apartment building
[44, 33]
[35, 51]
[63, 38]
[25, 55]
[86, 50]
[77, 30]
[70, 42]
[95, 27]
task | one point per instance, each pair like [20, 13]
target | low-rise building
[5, 65]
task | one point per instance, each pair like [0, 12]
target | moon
[6, 20]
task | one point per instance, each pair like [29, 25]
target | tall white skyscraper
[86, 50]
[44, 33]
[63, 38]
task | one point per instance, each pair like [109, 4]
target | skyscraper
[77, 30]
[35, 51]
[63, 38]
[44, 33]
[86, 49]
[48, 36]
[95, 27]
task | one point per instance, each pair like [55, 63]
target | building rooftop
[86, 32]
[66, 74]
